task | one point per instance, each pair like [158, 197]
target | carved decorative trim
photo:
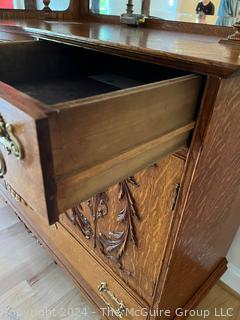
[77, 218]
[99, 209]
[15, 195]
[236, 35]
[115, 244]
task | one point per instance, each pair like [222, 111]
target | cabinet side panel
[211, 215]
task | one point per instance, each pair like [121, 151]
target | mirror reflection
[172, 8]
[113, 7]
[220, 12]
[55, 5]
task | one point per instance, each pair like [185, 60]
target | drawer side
[101, 140]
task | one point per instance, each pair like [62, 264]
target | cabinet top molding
[188, 51]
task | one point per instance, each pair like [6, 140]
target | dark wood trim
[83, 8]
[188, 27]
[46, 159]
[30, 5]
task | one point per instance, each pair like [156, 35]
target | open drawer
[75, 121]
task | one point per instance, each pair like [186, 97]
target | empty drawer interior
[55, 73]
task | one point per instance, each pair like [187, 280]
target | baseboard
[232, 278]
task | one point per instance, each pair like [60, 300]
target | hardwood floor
[221, 303]
[33, 287]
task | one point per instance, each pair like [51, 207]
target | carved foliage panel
[128, 225]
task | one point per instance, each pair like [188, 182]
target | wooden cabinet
[130, 155]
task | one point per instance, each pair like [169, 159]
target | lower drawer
[113, 301]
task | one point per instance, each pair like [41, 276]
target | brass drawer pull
[3, 168]
[120, 312]
[8, 139]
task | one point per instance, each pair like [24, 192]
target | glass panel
[113, 7]
[220, 12]
[55, 5]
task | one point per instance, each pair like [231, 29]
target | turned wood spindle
[236, 35]
[46, 5]
[233, 39]
[130, 6]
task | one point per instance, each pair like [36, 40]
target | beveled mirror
[54, 5]
[215, 12]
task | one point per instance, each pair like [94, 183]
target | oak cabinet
[123, 160]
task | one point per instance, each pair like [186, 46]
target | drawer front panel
[24, 153]
[127, 227]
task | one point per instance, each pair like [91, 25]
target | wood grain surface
[116, 141]
[194, 238]
[195, 52]
[211, 216]
[154, 197]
